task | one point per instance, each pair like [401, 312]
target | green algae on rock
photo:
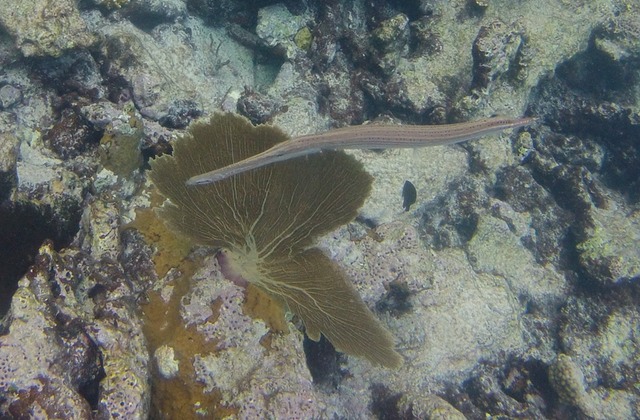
[265, 222]
[120, 144]
[303, 38]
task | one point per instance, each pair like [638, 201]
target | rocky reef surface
[511, 285]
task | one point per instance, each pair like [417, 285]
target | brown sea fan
[265, 222]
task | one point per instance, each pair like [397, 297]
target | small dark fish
[408, 195]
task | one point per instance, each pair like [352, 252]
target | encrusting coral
[265, 222]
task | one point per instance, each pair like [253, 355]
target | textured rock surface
[516, 268]
[45, 28]
[604, 253]
[598, 372]
[232, 364]
[58, 360]
[277, 27]
[8, 152]
[168, 72]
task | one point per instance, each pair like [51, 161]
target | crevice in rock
[24, 227]
[323, 362]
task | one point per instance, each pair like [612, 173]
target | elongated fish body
[368, 136]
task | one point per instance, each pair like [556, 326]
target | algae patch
[303, 38]
[120, 145]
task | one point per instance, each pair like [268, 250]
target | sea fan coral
[265, 222]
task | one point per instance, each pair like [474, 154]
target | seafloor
[510, 286]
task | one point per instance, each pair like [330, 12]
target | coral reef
[495, 51]
[10, 96]
[173, 66]
[44, 28]
[277, 27]
[59, 361]
[70, 136]
[516, 268]
[601, 367]
[604, 252]
[390, 38]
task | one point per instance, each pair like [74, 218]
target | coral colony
[264, 223]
